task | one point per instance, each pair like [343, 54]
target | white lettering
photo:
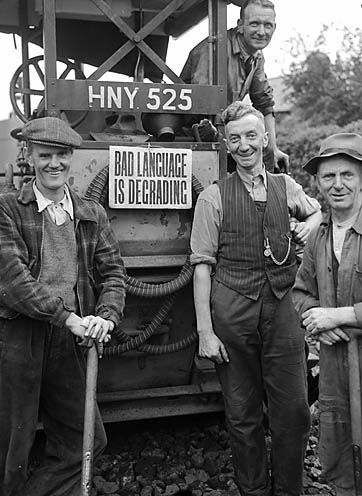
[116, 98]
[131, 95]
[93, 96]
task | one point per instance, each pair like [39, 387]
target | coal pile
[187, 456]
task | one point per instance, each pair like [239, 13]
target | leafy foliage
[326, 92]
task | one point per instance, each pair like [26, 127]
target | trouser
[42, 372]
[266, 349]
[335, 430]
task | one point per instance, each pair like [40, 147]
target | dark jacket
[101, 278]
[315, 286]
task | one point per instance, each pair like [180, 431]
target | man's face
[257, 27]
[51, 165]
[340, 181]
[245, 140]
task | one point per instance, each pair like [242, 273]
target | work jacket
[315, 287]
[100, 287]
[240, 81]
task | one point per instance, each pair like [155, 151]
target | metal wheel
[29, 102]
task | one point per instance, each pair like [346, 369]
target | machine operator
[246, 75]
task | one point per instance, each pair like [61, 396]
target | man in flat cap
[245, 75]
[61, 280]
[328, 296]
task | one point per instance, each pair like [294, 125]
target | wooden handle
[89, 419]
[355, 409]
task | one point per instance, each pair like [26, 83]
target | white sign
[142, 177]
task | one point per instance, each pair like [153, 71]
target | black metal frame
[217, 39]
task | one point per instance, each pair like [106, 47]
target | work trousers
[42, 373]
[265, 345]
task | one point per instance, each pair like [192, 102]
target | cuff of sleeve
[60, 317]
[196, 258]
[358, 311]
[108, 314]
[267, 111]
[310, 302]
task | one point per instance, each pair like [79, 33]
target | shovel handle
[356, 410]
[89, 419]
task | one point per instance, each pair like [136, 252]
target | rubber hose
[97, 191]
[182, 344]
[136, 342]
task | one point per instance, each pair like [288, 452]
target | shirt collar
[248, 180]
[357, 226]
[43, 202]
[238, 46]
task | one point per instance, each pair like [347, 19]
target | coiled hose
[98, 191]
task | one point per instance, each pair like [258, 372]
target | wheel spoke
[66, 72]
[28, 91]
[39, 71]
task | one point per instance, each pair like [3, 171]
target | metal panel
[146, 233]
[161, 402]
[137, 97]
[220, 69]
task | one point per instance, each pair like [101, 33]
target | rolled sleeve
[206, 227]
[300, 205]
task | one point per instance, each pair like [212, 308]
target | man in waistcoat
[245, 265]
[61, 280]
[328, 297]
[245, 75]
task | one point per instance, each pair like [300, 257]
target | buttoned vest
[255, 243]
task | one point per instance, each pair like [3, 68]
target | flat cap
[349, 144]
[50, 131]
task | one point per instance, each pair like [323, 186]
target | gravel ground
[185, 456]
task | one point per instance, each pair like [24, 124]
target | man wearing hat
[61, 280]
[328, 296]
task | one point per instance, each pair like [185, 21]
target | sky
[294, 17]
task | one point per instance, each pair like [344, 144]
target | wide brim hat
[349, 144]
[50, 131]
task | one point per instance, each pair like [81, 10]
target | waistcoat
[59, 260]
[244, 262]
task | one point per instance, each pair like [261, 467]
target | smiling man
[245, 265]
[328, 296]
[246, 74]
[53, 246]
